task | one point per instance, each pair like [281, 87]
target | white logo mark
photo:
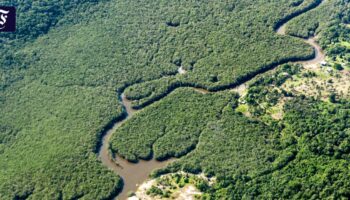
[3, 18]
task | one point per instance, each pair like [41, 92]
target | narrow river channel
[135, 174]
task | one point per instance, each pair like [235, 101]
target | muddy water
[135, 174]
[319, 54]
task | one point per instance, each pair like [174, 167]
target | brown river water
[135, 174]
[319, 54]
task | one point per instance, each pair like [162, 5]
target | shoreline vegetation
[120, 92]
[62, 80]
[139, 100]
[171, 86]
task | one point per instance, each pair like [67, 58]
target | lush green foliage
[316, 135]
[169, 128]
[226, 60]
[331, 23]
[329, 15]
[47, 154]
[146, 93]
[35, 18]
[304, 156]
[263, 92]
[59, 74]
[49, 133]
[314, 21]
[232, 145]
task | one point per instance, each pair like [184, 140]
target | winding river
[135, 174]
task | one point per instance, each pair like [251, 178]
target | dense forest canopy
[62, 71]
[304, 155]
[146, 41]
[169, 128]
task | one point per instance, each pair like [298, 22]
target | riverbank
[134, 174]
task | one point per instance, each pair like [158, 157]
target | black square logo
[7, 19]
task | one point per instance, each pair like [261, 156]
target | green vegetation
[155, 191]
[271, 161]
[323, 83]
[231, 145]
[330, 21]
[316, 136]
[303, 156]
[61, 72]
[57, 161]
[169, 128]
[220, 67]
[328, 15]
[36, 18]
[338, 66]
[148, 92]
[264, 92]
